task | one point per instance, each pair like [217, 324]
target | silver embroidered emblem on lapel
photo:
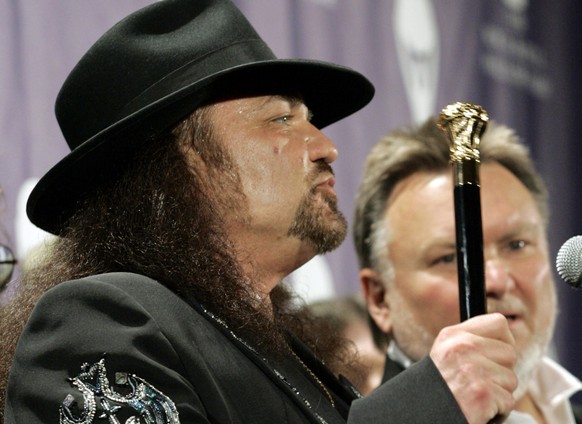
[143, 404]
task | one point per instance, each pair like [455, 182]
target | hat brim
[330, 91]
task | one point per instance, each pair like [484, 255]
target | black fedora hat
[155, 67]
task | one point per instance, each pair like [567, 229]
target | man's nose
[320, 146]
[498, 280]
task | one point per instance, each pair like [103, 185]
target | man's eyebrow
[298, 100]
[294, 101]
[440, 243]
[523, 229]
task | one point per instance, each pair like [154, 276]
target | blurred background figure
[406, 241]
[348, 316]
[29, 239]
[7, 265]
[7, 258]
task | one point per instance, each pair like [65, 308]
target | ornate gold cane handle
[464, 124]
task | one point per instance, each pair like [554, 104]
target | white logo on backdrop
[326, 3]
[518, 6]
[418, 51]
[510, 55]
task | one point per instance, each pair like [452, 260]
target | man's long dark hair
[162, 218]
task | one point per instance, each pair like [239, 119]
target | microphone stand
[464, 123]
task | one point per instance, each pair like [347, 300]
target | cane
[464, 123]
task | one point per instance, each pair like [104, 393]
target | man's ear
[374, 291]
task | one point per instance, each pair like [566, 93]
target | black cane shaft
[470, 263]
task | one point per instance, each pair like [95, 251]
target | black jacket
[150, 354]
[393, 369]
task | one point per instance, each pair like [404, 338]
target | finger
[455, 343]
[493, 325]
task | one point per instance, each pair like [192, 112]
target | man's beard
[325, 227]
[415, 341]
[528, 360]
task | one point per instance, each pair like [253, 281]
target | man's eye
[450, 258]
[446, 259]
[283, 119]
[517, 244]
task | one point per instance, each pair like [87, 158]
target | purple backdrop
[519, 59]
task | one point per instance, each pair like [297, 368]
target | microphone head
[569, 261]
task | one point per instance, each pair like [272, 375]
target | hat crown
[112, 79]
[154, 68]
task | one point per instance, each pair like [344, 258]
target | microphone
[569, 262]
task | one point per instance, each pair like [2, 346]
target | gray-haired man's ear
[374, 291]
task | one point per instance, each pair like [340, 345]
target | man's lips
[514, 318]
[511, 316]
[327, 181]
[326, 184]
[512, 311]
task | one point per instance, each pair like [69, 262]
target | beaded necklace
[295, 391]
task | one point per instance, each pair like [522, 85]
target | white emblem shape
[416, 35]
[143, 404]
